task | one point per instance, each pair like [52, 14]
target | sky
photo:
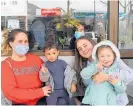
[78, 5]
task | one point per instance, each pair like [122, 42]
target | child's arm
[73, 85]
[100, 72]
[100, 76]
[73, 88]
[44, 74]
[88, 72]
[70, 80]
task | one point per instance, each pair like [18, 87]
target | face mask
[21, 49]
[78, 34]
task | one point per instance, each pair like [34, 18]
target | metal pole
[68, 6]
[94, 17]
[26, 17]
[5, 17]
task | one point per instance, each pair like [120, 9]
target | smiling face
[85, 48]
[106, 56]
[51, 54]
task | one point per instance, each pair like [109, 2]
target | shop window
[57, 21]
[125, 24]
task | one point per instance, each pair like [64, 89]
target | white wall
[68, 59]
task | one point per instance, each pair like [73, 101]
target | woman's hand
[73, 88]
[100, 77]
[46, 90]
[113, 79]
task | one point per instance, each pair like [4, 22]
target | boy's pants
[60, 97]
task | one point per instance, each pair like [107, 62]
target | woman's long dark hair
[80, 62]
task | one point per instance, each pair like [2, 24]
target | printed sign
[13, 7]
[13, 24]
[51, 12]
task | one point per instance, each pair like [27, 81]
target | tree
[125, 4]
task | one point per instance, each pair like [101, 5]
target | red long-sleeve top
[20, 81]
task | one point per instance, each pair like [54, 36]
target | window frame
[113, 31]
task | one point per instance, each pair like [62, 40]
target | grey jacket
[70, 77]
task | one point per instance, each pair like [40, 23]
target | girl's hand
[44, 69]
[99, 66]
[113, 79]
[100, 77]
[73, 88]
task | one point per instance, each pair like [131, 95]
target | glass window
[125, 24]
[57, 21]
[12, 22]
[60, 20]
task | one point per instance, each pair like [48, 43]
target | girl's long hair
[80, 62]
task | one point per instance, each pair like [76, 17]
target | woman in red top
[20, 72]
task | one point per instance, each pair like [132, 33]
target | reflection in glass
[58, 21]
[125, 24]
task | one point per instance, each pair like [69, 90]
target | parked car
[92, 35]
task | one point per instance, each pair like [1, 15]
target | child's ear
[58, 52]
[44, 53]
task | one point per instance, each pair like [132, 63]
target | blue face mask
[21, 49]
[78, 34]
